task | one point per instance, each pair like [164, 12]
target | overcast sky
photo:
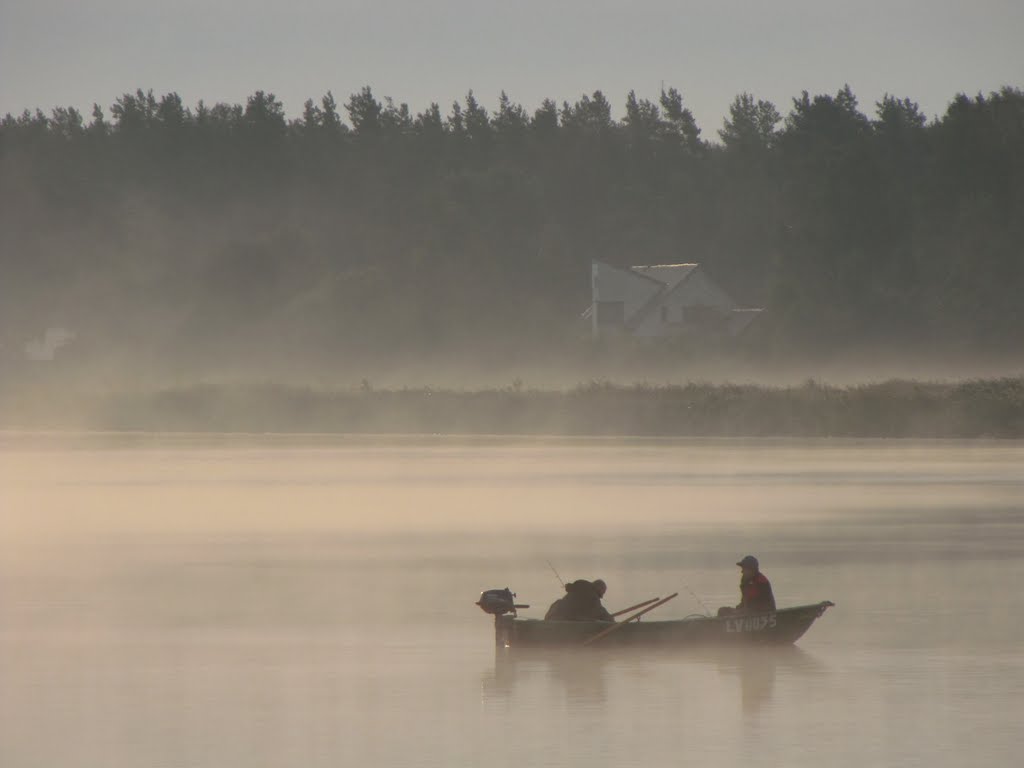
[76, 52]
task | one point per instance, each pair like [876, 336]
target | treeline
[229, 231]
[984, 408]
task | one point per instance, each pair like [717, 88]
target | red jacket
[756, 594]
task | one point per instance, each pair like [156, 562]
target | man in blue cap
[755, 590]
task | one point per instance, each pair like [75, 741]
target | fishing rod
[707, 611]
[560, 581]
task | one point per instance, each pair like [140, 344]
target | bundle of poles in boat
[646, 605]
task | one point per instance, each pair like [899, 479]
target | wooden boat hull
[779, 627]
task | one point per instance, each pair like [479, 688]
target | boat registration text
[750, 623]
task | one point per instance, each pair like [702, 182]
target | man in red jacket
[755, 590]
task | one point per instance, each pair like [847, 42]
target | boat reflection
[585, 676]
[580, 677]
[759, 668]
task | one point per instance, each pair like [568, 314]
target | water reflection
[265, 606]
[581, 677]
[758, 669]
[586, 676]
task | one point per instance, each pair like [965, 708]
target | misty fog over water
[284, 386]
[266, 601]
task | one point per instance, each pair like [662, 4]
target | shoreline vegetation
[978, 408]
[204, 246]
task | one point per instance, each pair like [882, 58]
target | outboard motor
[498, 602]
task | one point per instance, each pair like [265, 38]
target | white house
[662, 300]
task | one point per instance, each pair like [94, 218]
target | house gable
[694, 302]
[618, 295]
[662, 300]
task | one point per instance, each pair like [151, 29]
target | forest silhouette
[160, 233]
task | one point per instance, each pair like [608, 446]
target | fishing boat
[783, 626]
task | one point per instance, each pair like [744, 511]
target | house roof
[668, 274]
[669, 279]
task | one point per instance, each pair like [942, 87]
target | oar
[638, 605]
[623, 623]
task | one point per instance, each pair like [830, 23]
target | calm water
[299, 602]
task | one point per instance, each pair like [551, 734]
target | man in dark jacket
[755, 590]
[582, 602]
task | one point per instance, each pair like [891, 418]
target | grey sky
[75, 52]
